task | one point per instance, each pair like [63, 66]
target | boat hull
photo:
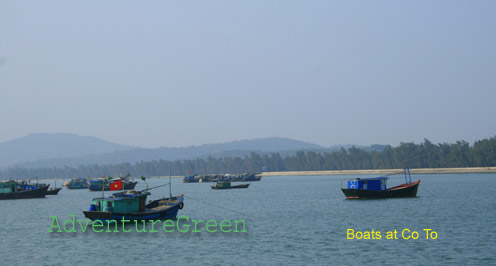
[27, 194]
[76, 187]
[54, 191]
[170, 213]
[232, 187]
[152, 212]
[402, 191]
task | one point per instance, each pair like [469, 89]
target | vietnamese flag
[117, 185]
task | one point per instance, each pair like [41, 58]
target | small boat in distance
[127, 183]
[78, 183]
[246, 177]
[53, 190]
[227, 185]
[375, 188]
[13, 190]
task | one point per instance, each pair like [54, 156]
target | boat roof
[124, 195]
[372, 178]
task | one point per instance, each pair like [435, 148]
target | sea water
[290, 220]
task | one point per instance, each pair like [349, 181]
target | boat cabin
[8, 187]
[223, 184]
[190, 179]
[376, 183]
[123, 202]
[27, 187]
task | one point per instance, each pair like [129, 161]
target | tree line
[424, 155]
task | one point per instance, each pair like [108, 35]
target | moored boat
[131, 205]
[53, 191]
[227, 185]
[376, 188]
[127, 184]
[246, 177]
[78, 183]
[13, 190]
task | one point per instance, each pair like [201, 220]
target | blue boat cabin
[376, 183]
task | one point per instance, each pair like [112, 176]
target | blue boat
[190, 179]
[376, 188]
[78, 183]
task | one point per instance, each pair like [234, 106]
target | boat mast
[103, 189]
[170, 189]
[409, 176]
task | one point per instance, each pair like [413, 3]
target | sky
[182, 73]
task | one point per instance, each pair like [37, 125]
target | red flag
[117, 185]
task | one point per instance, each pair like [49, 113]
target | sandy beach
[388, 171]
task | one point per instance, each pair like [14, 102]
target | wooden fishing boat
[376, 188]
[13, 190]
[227, 185]
[127, 184]
[78, 183]
[131, 205]
[53, 191]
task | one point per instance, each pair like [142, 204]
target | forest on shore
[424, 155]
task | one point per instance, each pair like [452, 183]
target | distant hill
[47, 155]
[43, 146]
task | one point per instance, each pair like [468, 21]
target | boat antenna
[170, 189]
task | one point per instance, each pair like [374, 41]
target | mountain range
[41, 150]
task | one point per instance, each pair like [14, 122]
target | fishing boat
[127, 183]
[14, 190]
[131, 205]
[246, 177]
[78, 183]
[190, 179]
[227, 185]
[203, 178]
[376, 188]
[53, 190]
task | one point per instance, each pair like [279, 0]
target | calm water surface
[291, 220]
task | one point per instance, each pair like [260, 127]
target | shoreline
[459, 170]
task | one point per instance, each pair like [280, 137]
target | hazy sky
[181, 73]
